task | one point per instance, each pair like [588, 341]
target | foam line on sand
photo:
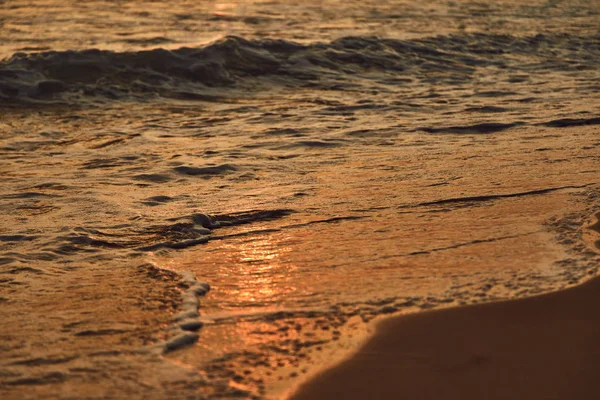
[186, 323]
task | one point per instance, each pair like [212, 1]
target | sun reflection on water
[262, 271]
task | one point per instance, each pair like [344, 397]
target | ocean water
[321, 164]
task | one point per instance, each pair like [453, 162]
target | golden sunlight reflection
[262, 272]
[221, 6]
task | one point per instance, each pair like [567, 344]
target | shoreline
[540, 347]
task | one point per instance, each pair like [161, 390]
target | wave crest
[235, 62]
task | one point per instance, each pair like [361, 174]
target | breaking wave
[208, 73]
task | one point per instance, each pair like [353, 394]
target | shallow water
[357, 161]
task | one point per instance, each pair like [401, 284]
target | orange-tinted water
[442, 155]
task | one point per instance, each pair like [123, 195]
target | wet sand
[543, 347]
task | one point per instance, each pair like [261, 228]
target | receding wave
[207, 73]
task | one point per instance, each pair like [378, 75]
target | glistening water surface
[319, 164]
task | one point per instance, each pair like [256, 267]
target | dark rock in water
[205, 221]
[51, 86]
[212, 222]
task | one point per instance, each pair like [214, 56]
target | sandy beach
[543, 347]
